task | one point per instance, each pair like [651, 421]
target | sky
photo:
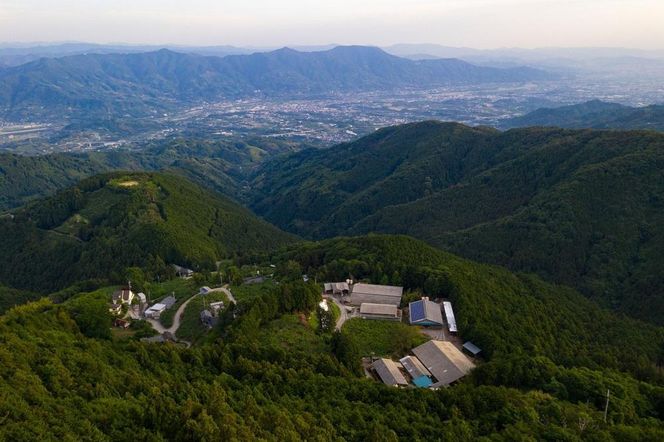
[262, 23]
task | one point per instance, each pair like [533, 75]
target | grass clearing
[382, 338]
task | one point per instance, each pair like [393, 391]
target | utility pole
[606, 407]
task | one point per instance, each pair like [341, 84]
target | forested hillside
[504, 313]
[583, 208]
[551, 355]
[220, 165]
[144, 83]
[109, 222]
[594, 114]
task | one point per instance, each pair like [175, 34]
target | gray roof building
[425, 312]
[168, 301]
[375, 294]
[472, 348]
[444, 361]
[414, 367]
[380, 311]
[389, 373]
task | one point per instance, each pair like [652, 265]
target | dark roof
[425, 311]
[168, 301]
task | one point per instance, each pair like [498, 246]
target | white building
[155, 311]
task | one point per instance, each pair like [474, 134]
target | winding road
[176, 320]
[159, 328]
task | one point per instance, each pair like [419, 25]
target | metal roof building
[389, 373]
[375, 294]
[380, 311]
[472, 348]
[425, 312]
[337, 288]
[417, 371]
[444, 361]
[449, 315]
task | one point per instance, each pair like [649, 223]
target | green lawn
[191, 328]
[382, 338]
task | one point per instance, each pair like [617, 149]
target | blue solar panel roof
[417, 311]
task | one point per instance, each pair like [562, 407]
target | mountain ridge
[499, 197]
[112, 221]
[144, 83]
[594, 114]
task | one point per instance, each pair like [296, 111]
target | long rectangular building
[375, 294]
[449, 315]
[380, 311]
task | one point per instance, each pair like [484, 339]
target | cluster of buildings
[433, 364]
[210, 315]
[139, 303]
[125, 296]
[155, 311]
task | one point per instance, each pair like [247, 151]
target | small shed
[168, 301]
[155, 311]
[121, 323]
[208, 319]
[204, 290]
[471, 349]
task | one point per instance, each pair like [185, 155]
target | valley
[330, 243]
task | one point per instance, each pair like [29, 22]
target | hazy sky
[473, 23]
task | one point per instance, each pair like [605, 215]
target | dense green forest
[217, 164]
[582, 208]
[265, 374]
[593, 114]
[110, 222]
[504, 313]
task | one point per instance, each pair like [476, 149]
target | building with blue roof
[425, 313]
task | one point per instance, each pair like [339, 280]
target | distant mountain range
[594, 114]
[144, 83]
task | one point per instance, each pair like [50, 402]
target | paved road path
[178, 314]
[231, 298]
[343, 316]
[176, 320]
